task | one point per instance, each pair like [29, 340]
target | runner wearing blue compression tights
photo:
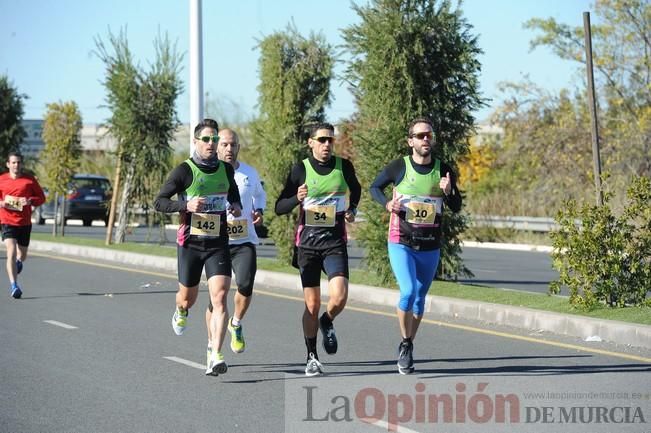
[414, 271]
[422, 186]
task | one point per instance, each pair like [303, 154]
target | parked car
[88, 199]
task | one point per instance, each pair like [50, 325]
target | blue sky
[46, 46]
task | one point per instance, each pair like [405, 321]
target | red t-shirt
[10, 190]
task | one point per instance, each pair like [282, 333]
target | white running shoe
[179, 320]
[216, 364]
[313, 367]
[208, 358]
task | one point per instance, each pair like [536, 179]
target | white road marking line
[185, 362]
[61, 324]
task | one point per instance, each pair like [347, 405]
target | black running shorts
[22, 234]
[332, 261]
[191, 263]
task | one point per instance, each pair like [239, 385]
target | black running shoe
[405, 358]
[329, 336]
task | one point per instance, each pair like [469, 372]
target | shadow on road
[426, 368]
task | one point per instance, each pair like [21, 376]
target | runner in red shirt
[18, 193]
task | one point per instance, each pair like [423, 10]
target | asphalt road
[517, 270]
[89, 348]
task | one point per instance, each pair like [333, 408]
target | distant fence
[533, 224]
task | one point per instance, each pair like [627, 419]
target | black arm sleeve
[233, 191]
[453, 200]
[353, 184]
[287, 200]
[178, 181]
[392, 173]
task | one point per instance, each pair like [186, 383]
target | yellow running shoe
[237, 337]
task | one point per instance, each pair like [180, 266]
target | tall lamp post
[196, 67]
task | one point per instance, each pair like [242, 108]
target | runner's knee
[406, 302]
[312, 306]
[245, 290]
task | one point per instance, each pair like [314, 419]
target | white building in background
[94, 138]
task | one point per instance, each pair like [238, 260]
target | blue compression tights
[414, 271]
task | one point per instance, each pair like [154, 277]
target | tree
[601, 252]
[12, 132]
[410, 58]
[158, 93]
[622, 61]
[545, 156]
[294, 89]
[60, 157]
[143, 122]
[476, 164]
[546, 151]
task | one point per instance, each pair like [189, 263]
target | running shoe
[216, 364]
[179, 320]
[329, 336]
[405, 358]
[313, 367]
[19, 266]
[208, 358]
[15, 291]
[237, 337]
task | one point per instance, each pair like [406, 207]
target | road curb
[519, 317]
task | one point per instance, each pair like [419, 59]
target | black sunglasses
[324, 139]
[422, 135]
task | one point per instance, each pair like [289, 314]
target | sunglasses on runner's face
[324, 139]
[208, 138]
[422, 135]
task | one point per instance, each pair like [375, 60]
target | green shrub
[604, 258]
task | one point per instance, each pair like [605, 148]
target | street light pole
[196, 68]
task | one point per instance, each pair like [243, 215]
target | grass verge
[536, 301]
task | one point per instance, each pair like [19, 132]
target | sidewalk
[523, 318]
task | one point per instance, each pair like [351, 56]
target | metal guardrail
[534, 224]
